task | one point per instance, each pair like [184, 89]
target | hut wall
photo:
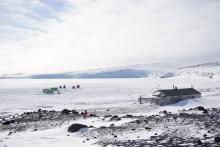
[174, 99]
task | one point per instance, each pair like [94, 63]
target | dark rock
[199, 142]
[164, 112]
[128, 116]
[112, 125]
[92, 115]
[76, 127]
[28, 113]
[115, 136]
[75, 112]
[52, 111]
[10, 133]
[153, 137]
[65, 111]
[217, 139]
[91, 127]
[147, 128]
[8, 122]
[138, 122]
[102, 127]
[200, 108]
[106, 116]
[205, 111]
[115, 118]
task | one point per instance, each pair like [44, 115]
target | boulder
[65, 111]
[217, 139]
[92, 115]
[8, 122]
[200, 108]
[138, 121]
[76, 127]
[165, 112]
[205, 111]
[115, 118]
[75, 112]
[199, 142]
[128, 116]
[102, 127]
[106, 116]
[147, 128]
[112, 125]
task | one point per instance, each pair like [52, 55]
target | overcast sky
[67, 35]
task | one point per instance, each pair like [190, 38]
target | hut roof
[179, 92]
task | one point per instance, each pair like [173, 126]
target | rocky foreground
[193, 127]
[37, 120]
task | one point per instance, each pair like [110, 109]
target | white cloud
[103, 33]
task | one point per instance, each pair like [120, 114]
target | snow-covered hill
[119, 73]
[206, 70]
[131, 71]
[12, 76]
[157, 70]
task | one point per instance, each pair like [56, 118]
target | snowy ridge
[210, 64]
[156, 70]
[207, 70]
[120, 73]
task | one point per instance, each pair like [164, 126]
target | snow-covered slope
[158, 70]
[17, 75]
[207, 70]
[131, 71]
[119, 73]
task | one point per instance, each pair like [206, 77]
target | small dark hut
[170, 96]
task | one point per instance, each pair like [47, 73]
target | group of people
[73, 87]
[85, 114]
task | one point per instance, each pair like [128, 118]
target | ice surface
[20, 95]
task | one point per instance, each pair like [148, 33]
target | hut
[48, 91]
[51, 90]
[170, 96]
